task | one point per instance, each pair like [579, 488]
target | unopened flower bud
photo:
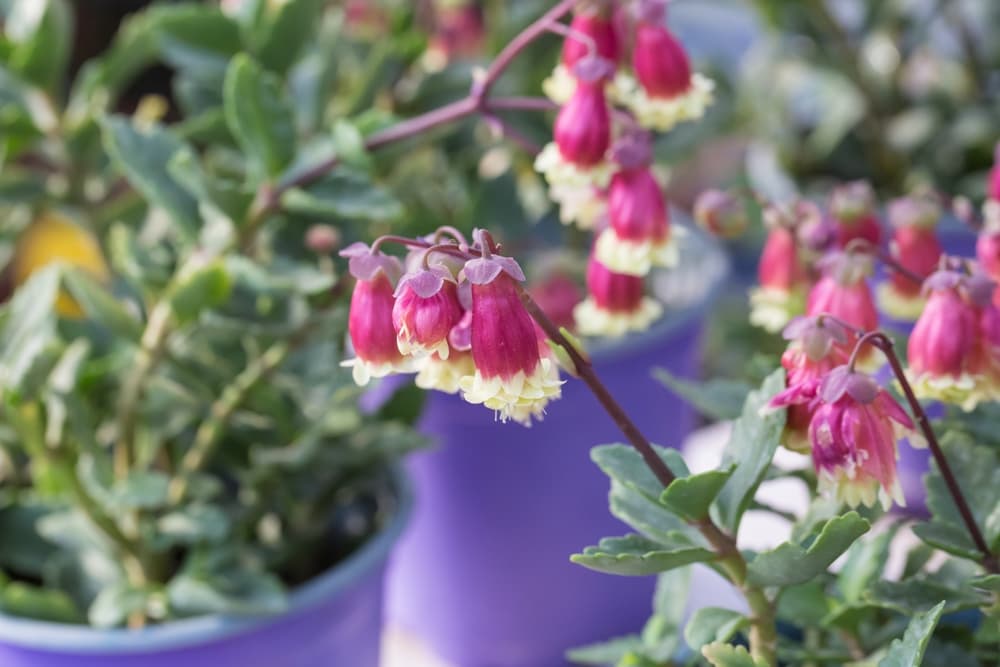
[616, 303]
[322, 239]
[853, 207]
[721, 214]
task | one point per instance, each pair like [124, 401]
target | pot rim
[610, 349]
[185, 633]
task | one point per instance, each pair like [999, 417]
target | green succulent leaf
[43, 604]
[977, 470]
[751, 448]
[717, 399]
[690, 497]
[200, 289]
[42, 34]
[115, 604]
[287, 32]
[30, 326]
[865, 561]
[606, 653]
[909, 650]
[793, 563]
[623, 464]
[101, 306]
[347, 194]
[197, 39]
[634, 555]
[724, 655]
[143, 157]
[713, 624]
[259, 116]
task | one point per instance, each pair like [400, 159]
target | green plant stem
[211, 429]
[763, 630]
[151, 348]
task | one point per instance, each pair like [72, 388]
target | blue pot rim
[611, 349]
[66, 638]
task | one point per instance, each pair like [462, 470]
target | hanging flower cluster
[455, 316]
[849, 425]
[654, 82]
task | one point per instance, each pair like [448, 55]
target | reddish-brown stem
[481, 91]
[763, 633]
[477, 101]
[504, 129]
[884, 343]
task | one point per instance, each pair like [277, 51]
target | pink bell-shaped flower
[370, 320]
[511, 377]
[843, 292]
[946, 351]
[446, 373]
[781, 274]
[853, 208]
[616, 303]
[667, 92]
[915, 245]
[582, 135]
[638, 236]
[557, 295]
[854, 435]
[993, 184]
[817, 346]
[593, 31]
[599, 27]
[426, 310]
[721, 214]
[583, 126]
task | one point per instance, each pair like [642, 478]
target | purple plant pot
[483, 572]
[334, 620]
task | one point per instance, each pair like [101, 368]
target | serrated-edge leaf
[634, 555]
[724, 655]
[909, 650]
[691, 497]
[625, 465]
[607, 652]
[987, 582]
[791, 564]
[947, 537]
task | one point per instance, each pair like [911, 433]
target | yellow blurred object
[55, 238]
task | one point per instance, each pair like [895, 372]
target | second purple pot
[483, 573]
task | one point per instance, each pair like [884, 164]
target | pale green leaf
[751, 447]
[713, 624]
[792, 563]
[909, 650]
[634, 555]
[259, 117]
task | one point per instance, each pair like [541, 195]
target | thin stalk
[884, 343]
[210, 431]
[763, 631]
[151, 348]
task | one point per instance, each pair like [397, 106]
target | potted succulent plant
[185, 474]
